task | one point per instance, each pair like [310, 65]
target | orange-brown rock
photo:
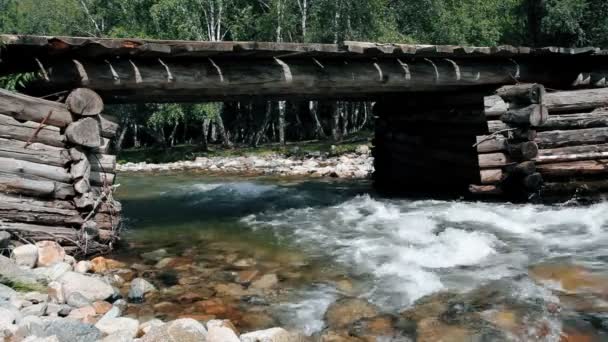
[572, 278]
[432, 330]
[166, 308]
[101, 307]
[101, 264]
[213, 306]
[49, 252]
[247, 276]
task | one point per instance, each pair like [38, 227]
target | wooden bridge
[508, 122]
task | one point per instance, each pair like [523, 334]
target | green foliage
[16, 81]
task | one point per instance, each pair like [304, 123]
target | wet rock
[49, 252]
[91, 288]
[168, 278]
[432, 330]
[122, 326]
[183, 330]
[269, 335]
[190, 297]
[231, 290]
[214, 306]
[25, 256]
[506, 320]
[166, 308]
[246, 277]
[164, 262]
[83, 266]
[139, 287]
[255, 300]
[374, 327]
[5, 239]
[55, 293]
[257, 320]
[267, 281]
[77, 300]
[244, 263]
[429, 306]
[155, 255]
[346, 311]
[572, 278]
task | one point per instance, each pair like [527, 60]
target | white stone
[83, 266]
[54, 271]
[91, 288]
[121, 325]
[145, 327]
[269, 335]
[25, 256]
[56, 292]
[221, 334]
[182, 330]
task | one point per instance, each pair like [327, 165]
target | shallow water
[390, 252]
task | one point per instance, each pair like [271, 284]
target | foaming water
[414, 248]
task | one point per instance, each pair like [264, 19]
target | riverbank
[356, 164]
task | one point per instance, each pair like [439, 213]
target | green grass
[191, 152]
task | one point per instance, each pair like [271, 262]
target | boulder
[77, 300]
[267, 281]
[25, 255]
[41, 339]
[15, 276]
[82, 314]
[49, 252]
[183, 330]
[346, 311]
[6, 293]
[101, 264]
[218, 333]
[34, 310]
[55, 293]
[71, 331]
[155, 255]
[91, 288]
[28, 326]
[7, 317]
[145, 327]
[139, 287]
[83, 266]
[269, 335]
[102, 307]
[122, 325]
[54, 271]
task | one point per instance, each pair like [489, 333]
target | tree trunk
[281, 122]
[219, 124]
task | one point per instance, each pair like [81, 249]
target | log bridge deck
[509, 122]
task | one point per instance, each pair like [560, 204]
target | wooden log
[33, 232]
[529, 116]
[106, 221]
[13, 129]
[521, 169]
[574, 187]
[29, 210]
[493, 160]
[522, 94]
[101, 178]
[36, 152]
[574, 169]
[81, 169]
[572, 153]
[82, 186]
[491, 177]
[485, 190]
[85, 201]
[84, 102]
[495, 107]
[84, 132]
[533, 182]
[598, 118]
[104, 148]
[28, 169]
[102, 162]
[15, 184]
[576, 100]
[489, 145]
[27, 108]
[588, 136]
[523, 151]
[109, 126]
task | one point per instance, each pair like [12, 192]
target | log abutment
[56, 173]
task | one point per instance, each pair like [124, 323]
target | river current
[391, 252]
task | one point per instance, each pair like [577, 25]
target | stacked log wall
[56, 176]
[572, 143]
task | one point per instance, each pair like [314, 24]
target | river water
[329, 239]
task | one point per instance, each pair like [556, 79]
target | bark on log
[598, 118]
[573, 187]
[576, 100]
[82, 186]
[84, 102]
[485, 190]
[33, 232]
[523, 151]
[493, 160]
[533, 182]
[572, 153]
[573, 169]
[20, 209]
[522, 169]
[81, 169]
[27, 108]
[13, 129]
[101, 179]
[85, 133]
[106, 221]
[102, 162]
[104, 148]
[523, 94]
[530, 116]
[495, 144]
[14, 184]
[554, 139]
[495, 107]
[492, 176]
[109, 126]
[35, 153]
[28, 169]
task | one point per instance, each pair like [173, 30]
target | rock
[36, 297]
[431, 330]
[102, 307]
[41, 339]
[34, 310]
[65, 310]
[375, 326]
[231, 290]
[53, 309]
[25, 256]
[346, 311]
[5, 239]
[71, 331]
[121, 305]
[164, 262]
[155, 255]
[362, 149]
[139, 287]
[219, 333]
[121, 325]
[183, 330]
[91, 288]
[244, 263]
[82, 314]
[267, 281]
[101, 264]
[54, 271]
[145, 327]
[572, 278]
[7, 317]
[55, 293]
[70, 260]
[83, 266]
[25, 279]
[77, 300]
[246, 277]
[257, 320]
[114, 312]
[269, 335]
[49, 252]
[6, 293]
[118, 337]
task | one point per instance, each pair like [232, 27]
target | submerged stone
[346, 311]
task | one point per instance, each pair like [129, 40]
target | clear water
[393, 251]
